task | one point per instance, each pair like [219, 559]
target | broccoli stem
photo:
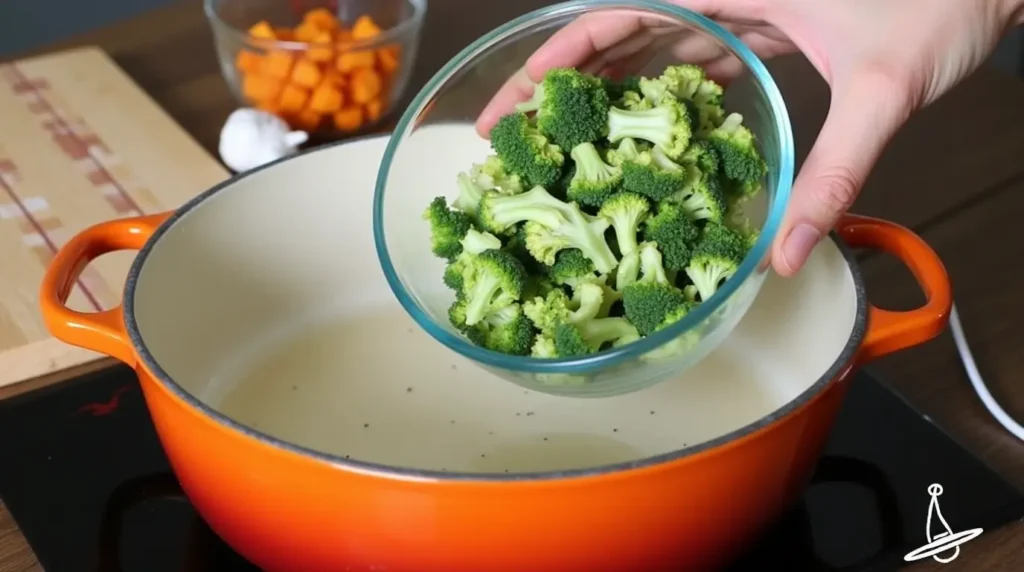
[589, 164]
[602, 330]
[653, 125]
[707, 279]
[480, 298]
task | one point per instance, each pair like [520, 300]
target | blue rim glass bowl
[453, 99]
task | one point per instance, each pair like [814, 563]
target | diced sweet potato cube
[364, 85]
[348, 62]
[349, 119]
[292, 99]
[248, 61]
[335, 78]
[306, 32]
[277, 64]
[373, 109]
[307, 74]
[388, 59]
[262, 30]
[364, 28]
[321, 48]
[326, 99]
[321, 18]
[260, 88]
[284, 34]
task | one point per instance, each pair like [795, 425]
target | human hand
[883, 59]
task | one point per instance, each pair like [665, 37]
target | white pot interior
[267, 303]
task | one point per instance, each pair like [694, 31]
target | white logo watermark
[945, 541]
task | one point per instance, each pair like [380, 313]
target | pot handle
[890, 331]
[102, 331]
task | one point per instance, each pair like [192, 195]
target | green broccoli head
[473, 243]
[508, 331]
[447, 228]
[525, 151]
[715, 259]
[549, 311]
[572, 107]
[665, 126]
[687, 83]
[655, 176]
[633, 101]
[587, 337]
[675, 233]
[648, 301]
[594, 180]
[491, 280]
[625, 211]
[703, 156]
[573, 229]
[571, 267]
[703, 200]
[741, 162]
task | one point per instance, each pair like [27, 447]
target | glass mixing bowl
[453, 99]
[330, 81]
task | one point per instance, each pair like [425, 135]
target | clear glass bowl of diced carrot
[328, 67]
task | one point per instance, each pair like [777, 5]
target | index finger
[569, 47]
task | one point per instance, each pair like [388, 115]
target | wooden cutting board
[80, 143]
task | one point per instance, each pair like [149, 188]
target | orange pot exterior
[288, 511]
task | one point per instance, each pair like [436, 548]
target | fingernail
[798, 245]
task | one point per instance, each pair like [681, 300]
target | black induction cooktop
[83, 474]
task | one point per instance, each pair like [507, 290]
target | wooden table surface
[955, 174]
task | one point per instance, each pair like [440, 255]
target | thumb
[863, 116]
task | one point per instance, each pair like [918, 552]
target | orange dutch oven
[316, 429]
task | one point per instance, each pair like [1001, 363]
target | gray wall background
[27, 24]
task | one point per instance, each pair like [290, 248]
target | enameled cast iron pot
[317, 430]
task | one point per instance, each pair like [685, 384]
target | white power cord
[990, 403]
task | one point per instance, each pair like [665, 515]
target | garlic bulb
[251, 138]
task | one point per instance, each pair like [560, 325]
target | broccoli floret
[716, 257]
[594, 180]
[649, 300]
[702, 200]
[703, 156]
[741, 162]
[625, 211]
[572, 327]
[572, 107]
[665, 126]
[628, 150]
[677, 346]
[447, 228]
[500, 214]
[687, 83]
[491, 281]
[571, 268]
[652, 174]
[675, 234]
[525, 151]
[473, 243]
[551, 226]
[583, 232]
[469, 194]
[587, 337]
[633, 101]
[509, 331]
